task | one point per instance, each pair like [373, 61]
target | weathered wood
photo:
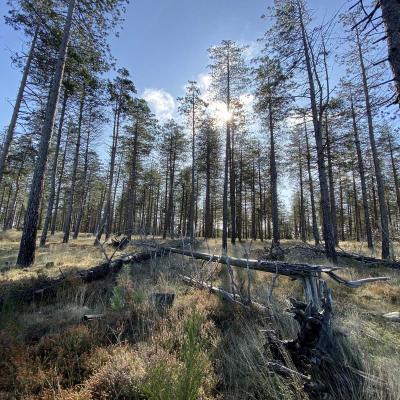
[92, 317]
[120, 243]
[275, 267]
[287, 372]
[227, 296]
[344, 254]
[392, 316]
[299, 271]
[356, 283]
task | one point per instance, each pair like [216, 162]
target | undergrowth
[199, 348]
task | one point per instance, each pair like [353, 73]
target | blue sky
[163, 43]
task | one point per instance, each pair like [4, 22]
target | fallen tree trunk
[46, 288]
[274, 267]
[371, 261]
[294, 270]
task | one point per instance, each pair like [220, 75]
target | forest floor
[200, 348]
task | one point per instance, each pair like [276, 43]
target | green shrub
[184, 380]
[117, 299]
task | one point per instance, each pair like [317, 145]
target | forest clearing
[107, 339]
[200, 200]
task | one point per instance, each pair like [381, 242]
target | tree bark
[68, 218]
[85, 189]
[361, 171]
[378, 173]
[311, 186]
[53, 174]
[391, 19]
[105, 219]
[26, 255]
[395, 174]
[328, 234]
[11, 128]
[274, 183]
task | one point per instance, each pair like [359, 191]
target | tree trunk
[68, 217]
[274, 183]
[61, 174]
[331, 180]
[208, 218]
[302, 210]
[378, 173]
[239, 202]
[190, 228]
[105, 219]
[311, 186]
[53, 175]
[232, 188]
[131, 209]
[85, 189]
[395, 175]
[10, 131]
[26, 255]
[391, 19]
[361, 170]
[316, 116]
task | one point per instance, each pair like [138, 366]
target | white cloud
[204, 82]
[161, 102]
[253, 50]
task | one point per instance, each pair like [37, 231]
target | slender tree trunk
[356, 209]
[190, 227]
[232, 188]
[274, 183]
[67, 225]
[226, 168]
[171, 195]
[26, 255]
[395, 175]
[361, 171]
[302, 210]
[225, 193]
[105, 221]
[342, 229]
[11, 128]
[378, 173]
[85, 190]
[7, 204]
[253, 205]
[208, 220]
[332, 198]
[131, 209]
[239, 202]
[61, 174]
[312, 199]
[316, 116]
[52, 191]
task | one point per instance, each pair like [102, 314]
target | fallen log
[294, 270]
[371, 261]
[392, 316]
[274, 267]
[47, 288]
[92, 317]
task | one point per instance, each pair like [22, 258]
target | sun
[220, 112]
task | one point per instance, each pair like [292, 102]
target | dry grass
[139, 352]
[54, 258]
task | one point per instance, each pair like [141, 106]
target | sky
[163, 44]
